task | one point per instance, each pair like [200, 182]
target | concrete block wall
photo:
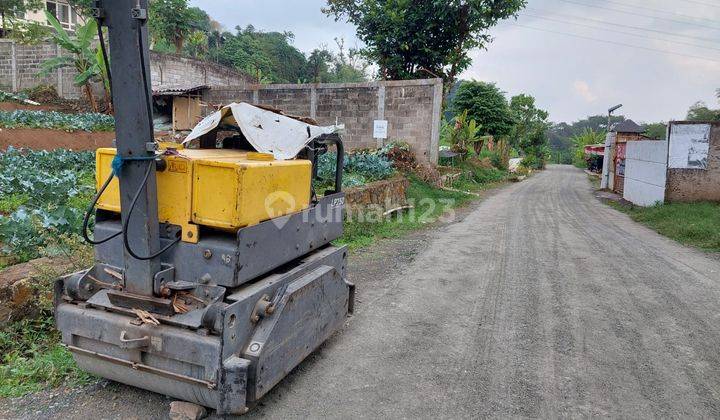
[20, 65]
[645, 172]
[357, 108]
[172, 69]
[693, 185]
[411, 107]
[7, 66]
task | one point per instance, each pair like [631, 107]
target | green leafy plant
[464, 136]
[360, 169]
[586, 138]
[56, 120]
[83, 57]
[43, 196]
[12, 97]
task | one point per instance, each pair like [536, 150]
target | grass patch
[34, 360]
[477, 178]
[431, 204]
[695, 224]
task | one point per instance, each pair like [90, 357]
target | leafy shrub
[531, 162]
[56, 120]
[495, 158]
[359, 169]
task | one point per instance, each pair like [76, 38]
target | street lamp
[606, 158]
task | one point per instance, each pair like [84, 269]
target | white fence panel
[645, 172]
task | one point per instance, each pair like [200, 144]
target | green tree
[324, 66]
[411, 39]
[700, 112]
[586, 138]
[171, 21]
[12, 10]
[83, 57]
[535, 148]
[487, 105]
[318, 66]
[528, 118]
[657, 131]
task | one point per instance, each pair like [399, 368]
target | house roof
[627, 126]
[177, 90]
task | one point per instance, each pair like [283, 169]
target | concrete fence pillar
[381, 110]
[434, 149]
[256, 96]
[313, 102]
[59, 74]
[13, 67]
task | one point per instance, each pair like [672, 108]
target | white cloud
[583, 89]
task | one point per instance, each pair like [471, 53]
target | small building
[61, 9]
[178, 108]
[685, 168]
[620, 134]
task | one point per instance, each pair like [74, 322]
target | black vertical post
[129, 54]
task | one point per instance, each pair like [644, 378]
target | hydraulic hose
[88, 213]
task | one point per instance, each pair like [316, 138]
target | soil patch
[14, 106]
[41, 139]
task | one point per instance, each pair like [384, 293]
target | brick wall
[692, 185]
[411, 107]
[20, 65]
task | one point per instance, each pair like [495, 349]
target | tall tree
[171, 21]
[528, 118]
[487, 105]
[700, 112]
[657, 131]
[411, 39]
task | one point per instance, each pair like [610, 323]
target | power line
[667, 12]
[703, 3]
[616, 43]
[639, 28]
[642, 15]
[615, 31]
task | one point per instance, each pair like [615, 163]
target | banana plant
[82, 57]
[465, 134]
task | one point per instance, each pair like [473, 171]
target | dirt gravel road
[541, 302]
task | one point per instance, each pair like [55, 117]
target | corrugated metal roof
[176, 90]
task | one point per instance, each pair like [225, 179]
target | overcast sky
[571, 76]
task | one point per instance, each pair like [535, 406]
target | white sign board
[380, 129]
[689, 146]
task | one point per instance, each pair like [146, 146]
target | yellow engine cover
[218, 188]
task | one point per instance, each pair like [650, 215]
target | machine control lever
[133, 343]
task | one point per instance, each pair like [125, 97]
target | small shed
[178, 107]
[623, 132]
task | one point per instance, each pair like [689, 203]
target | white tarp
[267, 131]
[689, 146]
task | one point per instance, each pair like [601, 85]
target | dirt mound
[47, 97]
[40, 139]
[484, 163]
